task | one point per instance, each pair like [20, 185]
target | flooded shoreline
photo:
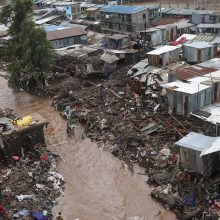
[97, 186]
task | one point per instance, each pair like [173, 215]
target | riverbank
[97, 186]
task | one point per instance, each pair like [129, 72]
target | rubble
[128, 116]
[29, 181]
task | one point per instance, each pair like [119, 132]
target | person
[59, 216]
[70, 128]
[101, 93]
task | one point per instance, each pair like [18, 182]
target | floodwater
[97, 185]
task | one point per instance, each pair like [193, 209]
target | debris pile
[131, 124]
[30, 183]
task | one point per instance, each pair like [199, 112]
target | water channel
[97, 185]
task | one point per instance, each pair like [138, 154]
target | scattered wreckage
[30, 183]
[129, 117]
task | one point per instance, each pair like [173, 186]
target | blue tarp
[189, 200]
[21, 213]
[38, 216]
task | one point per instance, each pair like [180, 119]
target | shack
[67, 37]
[126, 55]
[15, 139]
[160, 34]
[197, 52]
[199, 153]
[154, 36]
[117, 41]
[208, 118]
[163, 56]
[92, 13]
[212, 79]
[184, 98]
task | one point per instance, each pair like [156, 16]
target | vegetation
[28, 52]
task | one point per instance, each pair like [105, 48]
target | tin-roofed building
[197, 52]
[71, 9]
[67, 37]
[117, 41]
[209, 28]
[185, 98]
[124, 19]
[163, 56]
[199, 153]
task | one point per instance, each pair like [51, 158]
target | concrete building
[67, 37]
[124, 19]
[71, 9]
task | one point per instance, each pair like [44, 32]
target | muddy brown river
[97, 186]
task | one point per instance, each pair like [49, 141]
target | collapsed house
[163, 56]
[199, 153]
[13, 139]
[197, 52]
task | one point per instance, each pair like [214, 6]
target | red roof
[65, 33]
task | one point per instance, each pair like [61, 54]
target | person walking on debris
[70, 128]
[101, 93]
[59, 216]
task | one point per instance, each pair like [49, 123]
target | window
[129, 28]
[119, 27]
[144, 16]
[123, 17]
[110, 25]
[129, 18]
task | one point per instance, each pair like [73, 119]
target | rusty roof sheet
[192, 72]
[65, 33]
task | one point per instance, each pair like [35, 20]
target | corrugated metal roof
[217, 25]
[198, 44]
[207, 78]
[188, 88]
[210, 113]
[65, 33]
[48, 28]
[162, 50]
[45, 20]
[65, 3]
[192, 72]
[204, 37]
[215, 63]
[118, 36]
[215, 147]
[109, 58]
[196, 141]
[174, 11]
[123, 9]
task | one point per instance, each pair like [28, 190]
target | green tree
[29, 53]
